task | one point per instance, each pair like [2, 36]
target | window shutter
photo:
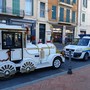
[68, 1]
[53, 12]
[74, 1]
[4, 6]
[16, 7]
[61, 14]
[62, 0]
[68, 15]
[86, 3]
[73, 16]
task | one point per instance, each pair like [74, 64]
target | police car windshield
[83, 42]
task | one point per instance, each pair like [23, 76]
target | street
[35, 34]
[41, 73]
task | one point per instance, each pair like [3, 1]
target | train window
[18, 39]
[11, 40]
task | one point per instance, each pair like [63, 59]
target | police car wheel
[86, 56]
[56, 63]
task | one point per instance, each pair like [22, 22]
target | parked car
[80, 48]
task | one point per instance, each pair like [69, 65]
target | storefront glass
[57, 35]
[69, 36]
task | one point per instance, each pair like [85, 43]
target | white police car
[79, 51]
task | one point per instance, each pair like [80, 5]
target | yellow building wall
[50, 4]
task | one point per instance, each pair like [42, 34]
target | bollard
[70, 67]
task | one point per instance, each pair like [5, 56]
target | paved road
[59, 46]
[41, 73]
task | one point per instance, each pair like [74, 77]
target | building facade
[15, 12]
[56, 20]
[82, 17]
[29, 14]
[53, 20]
[42, 21]
[65, 19]
[88, 18]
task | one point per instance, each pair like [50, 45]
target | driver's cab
[11, 45]
[13, 42]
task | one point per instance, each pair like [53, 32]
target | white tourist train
[17, 53]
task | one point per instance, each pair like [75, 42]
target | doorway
[42, 28]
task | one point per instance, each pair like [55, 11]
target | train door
[13, 42]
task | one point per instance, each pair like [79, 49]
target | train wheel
[56, 63]
[27, 67]
[7, 71]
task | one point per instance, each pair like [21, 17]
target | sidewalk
[79, 80]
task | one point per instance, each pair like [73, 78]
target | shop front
[63, 33]
[69, 34]
[57, 33]
[30, 26]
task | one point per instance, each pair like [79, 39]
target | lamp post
[70, 67]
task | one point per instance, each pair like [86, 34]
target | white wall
[36, 15]
[82, 26]
[88, 18]
[41, 20]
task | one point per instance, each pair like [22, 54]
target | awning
[11, 27]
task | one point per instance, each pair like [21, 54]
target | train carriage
[17, 53]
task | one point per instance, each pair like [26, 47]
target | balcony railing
[68, 22]
[66, 3]
[11, 12]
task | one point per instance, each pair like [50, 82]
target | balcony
[67, 22]
[65, 3]
[7, 11]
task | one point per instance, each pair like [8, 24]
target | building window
[67, 15]
[68, 1]
[16, 7]
[73, 16]
[74, 1]
[85, 3]
[83, 32]
[42, 9]
[62, 0]
[61, 14]
[83, 17]
[2, 5]
[29, 7]
[53, 12]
